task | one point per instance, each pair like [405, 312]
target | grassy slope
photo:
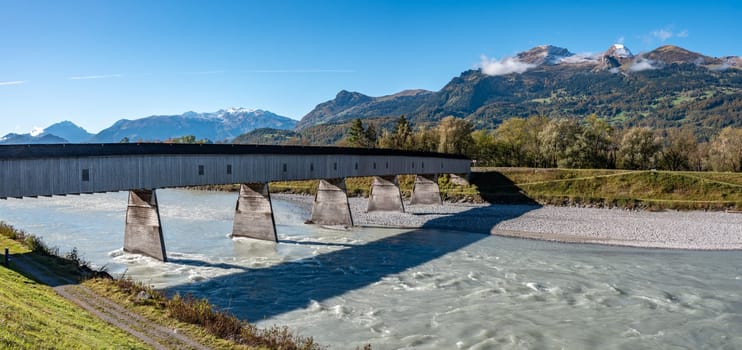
[645, 189]
[360, 186]
[33, 316]
[156, 313]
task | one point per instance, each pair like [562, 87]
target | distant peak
[544, 54]
[350, 97]
[618, 51]
[236, 110]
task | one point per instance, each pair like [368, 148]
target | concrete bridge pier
[331, 205]
[253, 214]
[143, 231]
[385, 195]
[426, 190]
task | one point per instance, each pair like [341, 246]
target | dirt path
[155, 335]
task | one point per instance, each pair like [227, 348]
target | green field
[33, 316]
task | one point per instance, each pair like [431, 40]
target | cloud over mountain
[504, 66]
[641, 64]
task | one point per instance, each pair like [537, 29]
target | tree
[520, 140]
[425, 139]
[356, 134]
[592, 147]
[638, 149]
[483, 149]
[679, 147]
[511, 133]
[399, 138]
[725, 150]
[402, 134]
[371, 136]
[556, 137]
[454, 135]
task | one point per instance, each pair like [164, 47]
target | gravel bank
[668, 229]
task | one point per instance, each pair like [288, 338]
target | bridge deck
[58, 169]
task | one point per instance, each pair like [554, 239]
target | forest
[538, 141]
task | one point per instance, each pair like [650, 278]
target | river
[421, 289]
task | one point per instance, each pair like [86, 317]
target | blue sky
[94, 62]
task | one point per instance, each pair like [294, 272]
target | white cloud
[643, 64]
[88, 77]
[580, 58]
[662, 34]
[504, 66]
[16, 82]
[36, 131]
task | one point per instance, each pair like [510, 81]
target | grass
[198, 319]
[615, 188]
[33, 316]
[682, 190]
[360, 187]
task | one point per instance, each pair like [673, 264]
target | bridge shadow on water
[261, 293]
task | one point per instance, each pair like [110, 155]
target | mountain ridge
[220, 126]
[666, 87]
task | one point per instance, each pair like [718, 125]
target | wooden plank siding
[59, 170]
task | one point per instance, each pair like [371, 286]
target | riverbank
[93, 311]
[697, 230]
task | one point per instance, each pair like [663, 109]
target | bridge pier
[331, 205]
[143, 231]
[253, 214]
[426, 190]
[385, 195]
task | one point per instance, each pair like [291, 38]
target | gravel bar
[696, 230]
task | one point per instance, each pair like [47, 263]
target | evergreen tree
[356, 134]
[402, 134]
[371, 136]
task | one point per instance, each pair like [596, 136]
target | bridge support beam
[385, 195]
[331, 205]
[143, 231]
[426, 190]
[253, 215]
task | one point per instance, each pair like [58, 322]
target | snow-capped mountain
[222, 125]
[544, 54]
[548, 80]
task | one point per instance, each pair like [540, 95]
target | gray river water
[422, 289]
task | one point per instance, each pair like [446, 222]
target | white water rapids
[422, 289]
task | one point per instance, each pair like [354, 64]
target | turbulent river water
[422, 289]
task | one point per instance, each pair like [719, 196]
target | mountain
[14, 138]
[544, 54]
[223, 125]
[350, 105]
[62, 132]
[666, 87]
[68, 131]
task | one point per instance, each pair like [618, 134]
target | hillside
[667, 87]
[322, 134]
